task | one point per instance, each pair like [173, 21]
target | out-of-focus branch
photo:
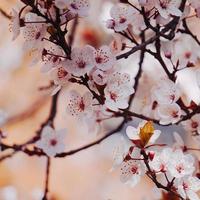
[6, 15]
[30, 111]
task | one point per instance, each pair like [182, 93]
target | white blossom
[131, 172]
[168, 7]
[181, 164]
[52, 141]
[78, 105]
[161, 160]
[82, 61]
[169, 113]
[166, 92]
[187, 187]
[122, 16]
[104, 58]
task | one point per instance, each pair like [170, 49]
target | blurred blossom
[8, 193]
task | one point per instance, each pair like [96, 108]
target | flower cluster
[174, 167]
[104, 88]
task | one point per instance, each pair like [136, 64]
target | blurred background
[85, 175]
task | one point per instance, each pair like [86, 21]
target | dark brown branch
[45, 197]
[153, 177]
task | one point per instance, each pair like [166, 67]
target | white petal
[132, 133]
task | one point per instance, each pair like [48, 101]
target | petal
[192, 195]
[47, 130]
[132, 133]
[155, 136]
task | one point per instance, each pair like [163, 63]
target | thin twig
[45, 197]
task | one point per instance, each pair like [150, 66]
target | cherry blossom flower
[186, 51]
[134, 134]
[122, 16]
[120, 152]
[168, 7]
[117, 96]
[166, 92]
[15, 24]
[33, 32]
[131, 172]
[104, 58]
[117, 91]
[82, 61]
[52, 141]
[187, 187]
[60, 77]
[79, 7]
[169, 113]
[183, 50]
[78, 105]
[161, 160]
[99, 114]
[181, 164]
[193, 124]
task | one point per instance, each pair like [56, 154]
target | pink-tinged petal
[132, 133]
[175, 11]
[155, 136]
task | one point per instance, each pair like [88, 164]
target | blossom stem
[45, 197]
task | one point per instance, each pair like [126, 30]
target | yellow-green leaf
[146, 132]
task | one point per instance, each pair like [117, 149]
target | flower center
[175, 114]
[134, 170]
[185, 186]
[179, 168]
[113, 96]
[194, 125]
[122, 20]
[37, 36]
[81, 105]
[172, 97]
[74, 6]
[99, 59]
[61, 73]
[53, 142]
[81, 65]
[154, 105]
[188, 55]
